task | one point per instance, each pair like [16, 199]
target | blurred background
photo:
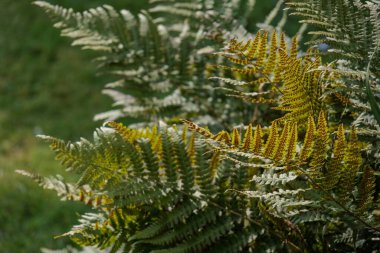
[46, 87]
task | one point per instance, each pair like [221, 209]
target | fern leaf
[235, 138]
[272, 141]
[352, 159]
[366, 190]
[335, 165]
[281, 146]
[271, 63]
[307, 147]
[257, 141]
[319, 155]
[247, 142]
[292, 144]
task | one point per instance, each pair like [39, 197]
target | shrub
[305, 181]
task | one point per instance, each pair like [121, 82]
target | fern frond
[335, 165]
[307, 147]
[247, 141]
[274, 179]
[272, 141]
[353, 161]
[366, 190]
[319, 155]
[257, 141]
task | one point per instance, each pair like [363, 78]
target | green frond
[274, 179]
[205, 171]
[184, 168]
[156, 61]
[182, 211]
[355, 25]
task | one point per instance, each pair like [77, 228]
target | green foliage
[160, 197]
[159, 67]
[298, 185]
[349, 31]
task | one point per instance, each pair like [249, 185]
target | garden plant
[228, 137]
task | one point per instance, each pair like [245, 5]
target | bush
[302, 179]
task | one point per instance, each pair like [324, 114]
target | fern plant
[350, 31]
[306, 182]
[161, 64]
[159, 191]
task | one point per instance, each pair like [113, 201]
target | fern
[289, 195]
[158, 198]
[351, 31]
[158, 64]
[297, 184]
[296, 81]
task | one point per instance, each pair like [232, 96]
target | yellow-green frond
[307, 147]
[257, 140]
[272, 54]
[292, 143]
[293, 48]
[235, 138]
[283, 141]
[366, 190]
[319, 154]
[202, 131]
[247, 142]
[251, 52]
[262, 49]
[352, 160]
[335, 165]
[271, 141]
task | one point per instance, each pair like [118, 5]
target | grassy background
[46, 87]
